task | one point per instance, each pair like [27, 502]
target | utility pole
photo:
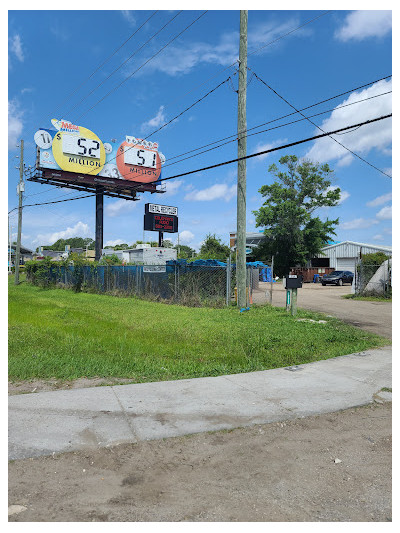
[20, 190]
[9, 245]
[241, 176]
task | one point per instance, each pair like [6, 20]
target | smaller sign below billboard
[154, 269]
[161, 218]
[161, 209]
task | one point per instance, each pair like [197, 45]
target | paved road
[371, 316]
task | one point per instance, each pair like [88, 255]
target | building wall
[343, 256]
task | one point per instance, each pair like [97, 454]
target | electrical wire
[264, 131]
[122, 64]
[106, 60]
[311, 122]
[172, 119]
[144, 64]
[276, 148]
[288, 33]
[295, 143]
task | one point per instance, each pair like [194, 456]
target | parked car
[338, 277]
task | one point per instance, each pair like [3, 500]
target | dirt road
[334, 467]
[372, 316]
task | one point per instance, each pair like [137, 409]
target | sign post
[292, 283]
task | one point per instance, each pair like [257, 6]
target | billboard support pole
[99, 221]
[160, 238]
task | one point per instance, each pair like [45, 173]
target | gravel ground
[332, 467]
[371, 316]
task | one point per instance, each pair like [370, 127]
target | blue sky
[51, 58]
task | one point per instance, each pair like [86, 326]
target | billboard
[75, 153]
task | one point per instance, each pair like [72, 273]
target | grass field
[59, 334]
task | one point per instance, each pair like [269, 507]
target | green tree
[292, 234]
[185, 252]
[74, 242]
[213, 248]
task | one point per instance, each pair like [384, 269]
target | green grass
[367, 298]
[57, 333]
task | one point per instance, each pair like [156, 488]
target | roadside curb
[59, 421]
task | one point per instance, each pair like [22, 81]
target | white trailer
[149, 256]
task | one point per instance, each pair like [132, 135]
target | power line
[290, 114]
[174, 118]
[289, 32]
[143, 64]
[254, 52]
[295, 143]
[313, 123]
[264, 131]
[55, 201]
[123, 63]
[106, 60]
[277, 148]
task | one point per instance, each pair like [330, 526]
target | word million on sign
[162, 218]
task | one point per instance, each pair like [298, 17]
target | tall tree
[292, 234]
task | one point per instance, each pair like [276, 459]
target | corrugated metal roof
[352, 249]
[377, 246]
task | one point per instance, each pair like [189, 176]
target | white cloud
[215, 192]
[16, 47]
[385, 213]
[172, 187]
[186, 237]
[80, 229]
[129, 17]
[361, 140]
[113, 243]
[15, 124]
[182, 59]
[379, 200]
[260, 147]
[119, 207]
[358, 223]
[361, 25]
[378, 238]
[154, 122]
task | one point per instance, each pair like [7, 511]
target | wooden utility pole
[20, 189]
[241, 177]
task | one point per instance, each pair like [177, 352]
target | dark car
[338, 277]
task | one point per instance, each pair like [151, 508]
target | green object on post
[287, 300]
[293, 307]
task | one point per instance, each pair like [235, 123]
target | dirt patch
[332, 467]
[42, 385]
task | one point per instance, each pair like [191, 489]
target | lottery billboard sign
[70, 149]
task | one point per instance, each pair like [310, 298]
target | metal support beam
[99, 221]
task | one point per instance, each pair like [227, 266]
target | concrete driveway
[371, 316]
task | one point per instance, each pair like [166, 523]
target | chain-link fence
[374, 280]
[183, 283]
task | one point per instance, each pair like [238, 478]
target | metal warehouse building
[344, 255]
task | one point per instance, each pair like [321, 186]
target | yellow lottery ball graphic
[79, 151]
